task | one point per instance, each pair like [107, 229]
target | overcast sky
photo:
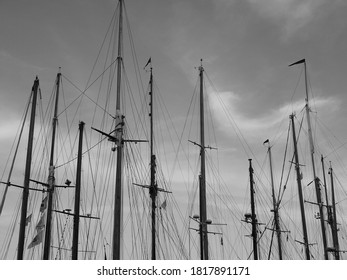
[246, 47]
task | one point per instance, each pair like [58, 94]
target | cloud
[291, 14]
[224, 106]
[9, 129]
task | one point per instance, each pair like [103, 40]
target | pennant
[37, 239]
[41, 224]
[148, 62]
[266, 141]
[43, 204]
[28, 220]
[163, 205]
[298, 62]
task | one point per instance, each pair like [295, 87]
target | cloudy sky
[246, 47]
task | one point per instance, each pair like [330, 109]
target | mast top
[201, 68]
[298, 62]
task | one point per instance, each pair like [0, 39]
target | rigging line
[235, 126]
[66, 115]
[98, 199]
[112, 34]
[297, 84]
[11, 229]
[86, 151]
[133, 103]
[83, 92]
[14, 157]
[133, 52]
[342, 144]
[181, 139]
[282, 172]
[103, 42]
[345, 192]
[292, 160]
[13, 144]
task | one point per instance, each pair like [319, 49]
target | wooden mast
[334, 222]
[51, 178]
[77, 195]
[25, 198]
[254, 218]
[153, 189]
[275, 206]
[301, 200]
[202, 190]
[315, 178]
[116, 244]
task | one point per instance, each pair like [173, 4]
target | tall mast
[254, 218]
[153, 189]
[116, 245]
[315, 178]
[203, 216]
[21, 238]
[275, 207]
[335, 230]
[330, 219]
[51, 178]
[301, 200]
[77, 195]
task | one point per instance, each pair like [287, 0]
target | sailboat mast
[116, 250]
[315, 178]
[335, 230]
[51, 178]
[25, 198]
[203, 216]
[77, 195]
[330, 219]
[301, 200]
[254, 218]
[153, 190]
[275, 207]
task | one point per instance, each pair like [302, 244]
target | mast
[301, 200]
[335, 230]
[153, 189]
[329, 207]
[25, 198]
[315, 178]
[77, 195]
[51, 178]
[275, 207]
[254, 218]
[116, 250]
[202, 191]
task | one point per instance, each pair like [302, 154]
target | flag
[37, 239]
[298, 62]
[43, 204]
[266, 141]
[163, 205]
[148, 62]
[41, 224]
[28, 220]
